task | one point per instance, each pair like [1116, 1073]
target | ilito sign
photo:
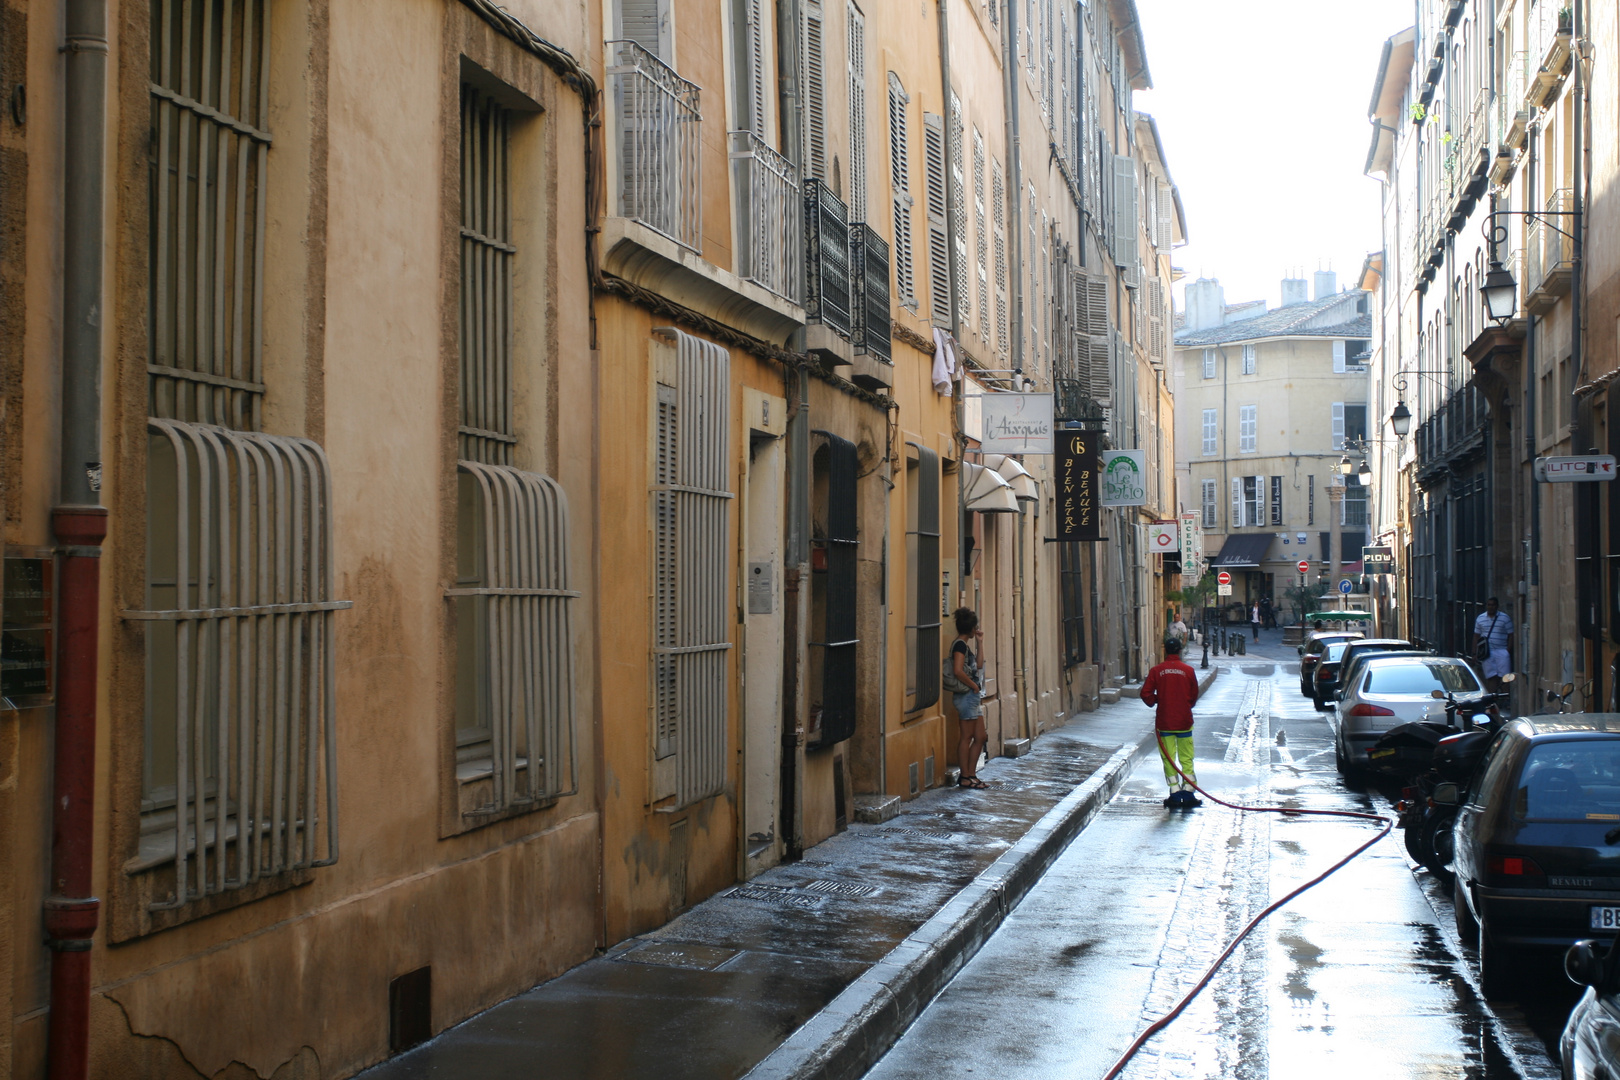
[26, 636]
[1079, 506]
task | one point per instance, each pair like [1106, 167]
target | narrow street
[1363, 973]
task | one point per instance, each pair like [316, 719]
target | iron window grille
[827, 293]
[872, 330]
[658, 141]
[515, 659]
[691, 503]
[768, 215]
[923, 584]
[210, 159]
[839, 674]
[1072, 593]
[487, 257]
[240, 773]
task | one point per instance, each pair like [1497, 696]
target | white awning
[987, 491]
[1012, 470]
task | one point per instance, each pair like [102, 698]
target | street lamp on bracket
[1499, 290]
[1400, 419]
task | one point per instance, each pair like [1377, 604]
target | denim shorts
[967, 705]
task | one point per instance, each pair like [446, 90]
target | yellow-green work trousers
[1176, 746]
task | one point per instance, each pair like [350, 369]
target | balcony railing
[1512, 119]
[870, 328]
[826, 257]
[658, 138]
[1475, 138]
[766, 188]
[1552, 254]
[1455, 432]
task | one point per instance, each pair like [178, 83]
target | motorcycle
[1427, 753]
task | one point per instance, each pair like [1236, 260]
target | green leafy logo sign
[1125, 478]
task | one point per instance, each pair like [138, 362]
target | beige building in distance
[1267, 402]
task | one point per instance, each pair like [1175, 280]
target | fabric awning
[988, 492]
[1014, 473]
[1243, 551]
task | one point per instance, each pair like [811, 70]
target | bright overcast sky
[1262, 107]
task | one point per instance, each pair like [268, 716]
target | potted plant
[1566, 19]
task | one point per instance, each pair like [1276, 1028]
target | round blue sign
[1345, 586]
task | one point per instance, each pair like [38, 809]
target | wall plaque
[27, 634]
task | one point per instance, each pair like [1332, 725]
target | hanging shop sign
[1016, 424]
[1162, 537]
[1192, 547]
[1377, 560]
[27, 633]
[1125, 478]
[1570, 470]
[1079, 508]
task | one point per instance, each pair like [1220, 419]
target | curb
[845, 1039]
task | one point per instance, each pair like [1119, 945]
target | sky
[1262, 109]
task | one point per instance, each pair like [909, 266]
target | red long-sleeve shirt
[1173, 687]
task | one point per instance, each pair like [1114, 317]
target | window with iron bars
[923, 582]
[514, 703]
[239, 781]
[1071, 590]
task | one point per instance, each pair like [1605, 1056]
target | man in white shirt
[1494, 630]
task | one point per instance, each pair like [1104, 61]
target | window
[1276, 500]
[1072, 592]
[1338, 425]
[1248, 421]
[1310, 500]
[1355, 503]
[900, 182]
[833, 634]
[1209, 505]
[935, 184]
[1254, 500]
[1209, 363]
[238, 780]
[514, 703]
[922, 584]
[857, 114]
[1210, 433]
[1248, 359]
[691, 502]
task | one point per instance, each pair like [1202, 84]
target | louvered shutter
[981, 237]
[857, 115]
[665, 576]
[958, 204]
[1167, 218]
[1125, 217]
[1101, 374]
[999, 210]
[754, 34]
[1338, 425]
[646, 22]
[1338, 358]
[813, 65]
[900, 182]
[1237, 502]
[939, 260]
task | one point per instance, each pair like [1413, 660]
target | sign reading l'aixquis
[1079, 506]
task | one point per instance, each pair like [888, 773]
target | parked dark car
[1311, 650]
[1537, 842]
[1590, 1046]
[1326, 669]
[1328, 682]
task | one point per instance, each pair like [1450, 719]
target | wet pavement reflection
[1362, 975]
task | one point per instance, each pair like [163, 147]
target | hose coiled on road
[1164, 1021]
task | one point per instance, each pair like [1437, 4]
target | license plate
[1606, 918]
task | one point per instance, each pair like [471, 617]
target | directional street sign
[1304, 566]
[1345, 586]
[1223, 578]
[1568, 470]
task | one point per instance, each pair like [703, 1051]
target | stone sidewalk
[813, 968]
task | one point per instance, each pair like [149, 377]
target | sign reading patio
[1016, 424]
[1569, 470]
[1078, 511]
[1125, 478]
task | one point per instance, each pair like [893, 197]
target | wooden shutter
[981, 237]
[1124, 218]
[646, 22]
[754, 34]
[957, 194]
[1101, 368]
[1237, 502]
[900, 183]
[1167, 217]
[999, 215]
[665, 701]
[1338, 358]
[814, 68]
[1338, 425]
[939, 263]
[857, 115]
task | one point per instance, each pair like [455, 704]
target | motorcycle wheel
[1467, 927]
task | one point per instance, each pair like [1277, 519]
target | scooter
[1427, 753]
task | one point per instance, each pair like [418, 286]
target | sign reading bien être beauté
[1079, 510]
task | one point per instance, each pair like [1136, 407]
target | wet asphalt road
[1363, 975]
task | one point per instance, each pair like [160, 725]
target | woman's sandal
[972, 782]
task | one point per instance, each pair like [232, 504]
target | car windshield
[1420, 677]
[1573, 780]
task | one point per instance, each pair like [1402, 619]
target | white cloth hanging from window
[944, 361]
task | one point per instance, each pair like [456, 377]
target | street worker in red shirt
[1173, 688]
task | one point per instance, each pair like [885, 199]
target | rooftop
[1314, 318]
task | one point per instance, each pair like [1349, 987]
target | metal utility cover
[761, 588]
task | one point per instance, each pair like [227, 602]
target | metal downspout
[80, 523]
[1587, 493]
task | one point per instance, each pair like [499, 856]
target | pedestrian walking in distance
[1172, 689]
[965, 652]
[1254, 621]
[1493, 645]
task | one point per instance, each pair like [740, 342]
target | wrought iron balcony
[765, 187]
[827, 292]
[1454, 434]
[657, 133]
[870, 329]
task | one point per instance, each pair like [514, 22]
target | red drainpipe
[71, 912]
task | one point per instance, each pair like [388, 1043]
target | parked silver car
[1387, 691]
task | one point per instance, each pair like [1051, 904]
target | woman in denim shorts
[965, 664]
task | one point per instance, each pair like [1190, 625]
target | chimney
[1327, 283]
[1295, 291]
[1206, 304]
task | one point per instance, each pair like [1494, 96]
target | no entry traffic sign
[1304, 566]
[1223, 578]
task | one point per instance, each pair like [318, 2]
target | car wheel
[1316, 701]
[1437, 841]
[1498, 965]
[1467, 927]
[1413, 835]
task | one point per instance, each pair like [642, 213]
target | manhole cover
[927, 834]
[678, 955]
[840, 888]
[772, 894]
